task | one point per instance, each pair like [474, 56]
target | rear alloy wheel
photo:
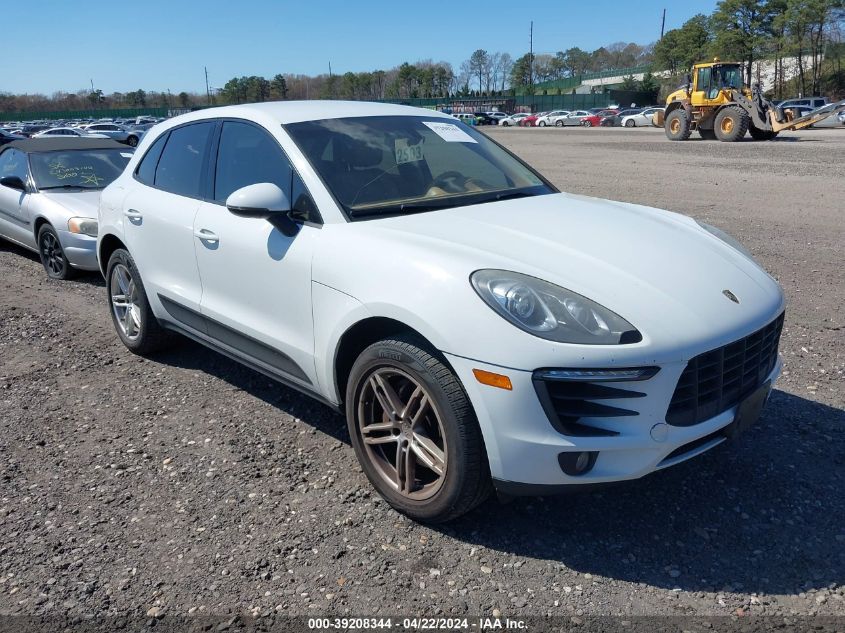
[133, 318]
[731, 124]
[52, 254]
[414, 431]
[678, 125]
[630, 123]
[132, 141]
[587, 123]
[542, 124]
[558, 123]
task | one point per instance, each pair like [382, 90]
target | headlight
[551, 312]
[727, 239]
[85, 226]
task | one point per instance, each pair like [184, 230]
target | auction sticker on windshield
[449, 132]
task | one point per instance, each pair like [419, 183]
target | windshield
[728, 76]
[402, 164]
[78, 169]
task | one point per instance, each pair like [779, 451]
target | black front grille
[567, 402]
[717, 381]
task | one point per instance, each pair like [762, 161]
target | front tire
[558, 123]
[133, 318]
[678, 125]
[52, 254]
[731, 124]
[132, 141]
[414, 431]
[761, 135]
[542, 124]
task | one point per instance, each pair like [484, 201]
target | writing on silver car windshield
[77, 169]
[400, 164]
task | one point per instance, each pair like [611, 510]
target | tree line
[752, 30]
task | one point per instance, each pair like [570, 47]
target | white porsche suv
[478, 328]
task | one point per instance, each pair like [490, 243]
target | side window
[13, 163]
[180, 166]
[248, 155]
[146, 171]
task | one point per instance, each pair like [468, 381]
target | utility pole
[207, 90]
[531, 57]
[331, 82]
[663, 24]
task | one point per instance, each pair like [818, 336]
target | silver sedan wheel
[402, 433]
[125, 302]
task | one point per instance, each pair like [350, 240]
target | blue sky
[161, 45]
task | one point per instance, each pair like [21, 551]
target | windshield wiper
[434, 204]
[511, 196]
[66, 187]
[405, 207]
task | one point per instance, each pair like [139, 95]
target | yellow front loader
[717, 104]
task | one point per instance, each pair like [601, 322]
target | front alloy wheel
[52, 254]
[414, 431]
[402, 433]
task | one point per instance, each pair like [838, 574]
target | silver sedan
[117, 132]
[49, 194]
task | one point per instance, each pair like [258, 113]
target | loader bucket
[790, 122]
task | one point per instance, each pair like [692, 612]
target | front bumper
[523, 446]
[80, 250]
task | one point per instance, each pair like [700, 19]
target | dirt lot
[188, 484]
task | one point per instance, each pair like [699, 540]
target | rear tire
[542, 124]
[630, 123]
[427, 461]
[731, 124]
[587, 123]
[678, 125]
[133, 318]
[707, 135]
[132, 141]
[558, 123]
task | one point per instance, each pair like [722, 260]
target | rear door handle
[206, 236]
[132, 214]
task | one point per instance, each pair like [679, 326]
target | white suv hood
[659, 270]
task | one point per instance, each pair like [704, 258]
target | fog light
[575, 464]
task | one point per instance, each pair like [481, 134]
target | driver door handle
[206, 236]
[132, 214]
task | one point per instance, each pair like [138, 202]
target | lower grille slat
[716, 381]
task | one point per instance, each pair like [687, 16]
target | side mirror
[263, 201]
[13, 182]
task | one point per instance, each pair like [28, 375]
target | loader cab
[711, 80]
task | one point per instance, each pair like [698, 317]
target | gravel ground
[190, 485]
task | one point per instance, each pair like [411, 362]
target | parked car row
[129, 131]
[368, 254]
[596, 117]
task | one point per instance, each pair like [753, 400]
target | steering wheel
[451, 182]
